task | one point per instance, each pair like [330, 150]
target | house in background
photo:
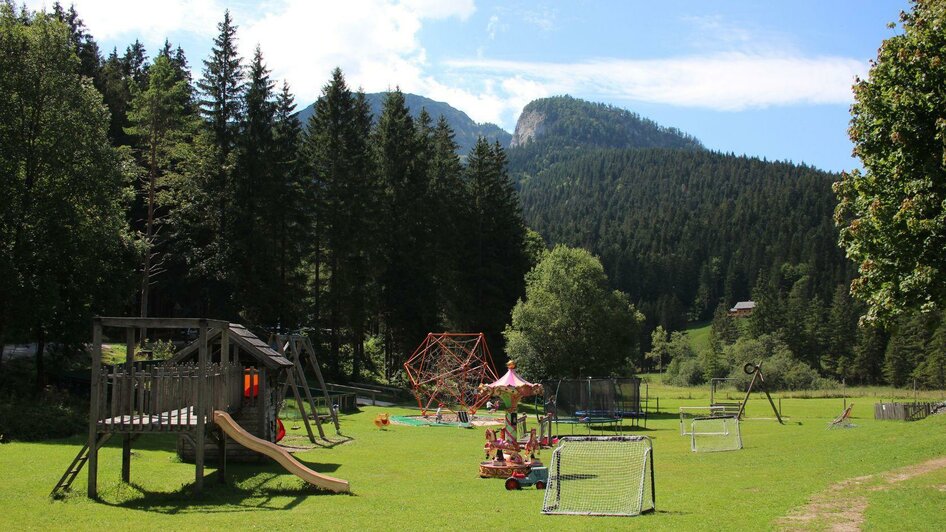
[742, 309]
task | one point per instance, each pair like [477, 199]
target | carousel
[506, 454]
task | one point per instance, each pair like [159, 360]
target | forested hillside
[466, 130]
[677, 227]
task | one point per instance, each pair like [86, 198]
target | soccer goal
[689, 413]
[601, 475]
[715, 433]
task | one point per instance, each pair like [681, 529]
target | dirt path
[842, 505]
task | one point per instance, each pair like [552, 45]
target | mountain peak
[570, 122]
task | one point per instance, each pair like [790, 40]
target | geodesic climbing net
[448, 368]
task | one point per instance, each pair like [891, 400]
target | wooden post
[305, 387]
[307, 344]
[222, 449]
[94, 407]
[130, 372]
[199, 406]
[299, 404]
[262, 402]
[225, 360]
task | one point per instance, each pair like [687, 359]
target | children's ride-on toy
[537, 476]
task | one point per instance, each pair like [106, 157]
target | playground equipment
[232, 385]
[688, 413]
[594, 402]
[715, 433]
[277, 453]
[449, 368]
[537, 476]
[382, 421]
[294, 347]
[601, 475]
[506, 448]
[843, 421]
[756, 371]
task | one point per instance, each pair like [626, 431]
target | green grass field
[412, 478]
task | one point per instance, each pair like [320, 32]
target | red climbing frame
[448, 368]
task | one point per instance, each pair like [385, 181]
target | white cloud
[148, 20]
[492, 26]
[728, 81]
[374, 42]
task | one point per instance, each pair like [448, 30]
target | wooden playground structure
[225, 385]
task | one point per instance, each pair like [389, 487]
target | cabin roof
[743, 305]
[247, 341]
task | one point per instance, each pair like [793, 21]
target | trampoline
[599, 404]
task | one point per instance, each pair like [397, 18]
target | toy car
[537, 476]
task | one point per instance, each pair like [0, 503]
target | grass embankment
[413, 478]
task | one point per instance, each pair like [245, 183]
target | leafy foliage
[892, 216]
[570, 323]
[64, 244]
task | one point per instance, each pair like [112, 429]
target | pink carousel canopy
[511, 385]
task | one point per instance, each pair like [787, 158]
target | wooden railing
[158, 398]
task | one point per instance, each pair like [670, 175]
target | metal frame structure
[450, 367]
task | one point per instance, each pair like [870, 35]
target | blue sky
[764, 78]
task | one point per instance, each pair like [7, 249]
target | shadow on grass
[245, 490]
[333, 441]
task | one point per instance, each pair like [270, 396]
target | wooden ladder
[73, 470]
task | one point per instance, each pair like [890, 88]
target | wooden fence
[903, 411]
[159, 398]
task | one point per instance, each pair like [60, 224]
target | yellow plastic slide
[277, 453]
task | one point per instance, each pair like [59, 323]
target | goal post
[715, 433]
[688, 413]
[601, 475]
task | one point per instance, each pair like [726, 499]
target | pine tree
[842, 334]
[337, 155]
[219, 103]
[905, 349]
[407, 281]
[159, 122]
[253, 183]
[869, 354]
[495, 260]
[221, 88]
[290, 219]
[135, 65]
[723, 330]
[448, 210]
[931, 371]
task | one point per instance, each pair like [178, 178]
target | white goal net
[688, 413]
[601, 475]
[715, 433]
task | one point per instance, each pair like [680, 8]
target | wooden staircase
[73, 470]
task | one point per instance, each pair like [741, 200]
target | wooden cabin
[742, 309]
[263, 371]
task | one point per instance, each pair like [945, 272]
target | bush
[54, 415]
[781, 370]
[686, 371]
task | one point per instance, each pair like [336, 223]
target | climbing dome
[449, 368]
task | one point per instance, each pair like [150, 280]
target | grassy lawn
[412, 478]
[699, 335]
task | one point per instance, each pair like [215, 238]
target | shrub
[55, 415]
[685, 371]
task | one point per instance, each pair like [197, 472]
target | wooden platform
[173, 420]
